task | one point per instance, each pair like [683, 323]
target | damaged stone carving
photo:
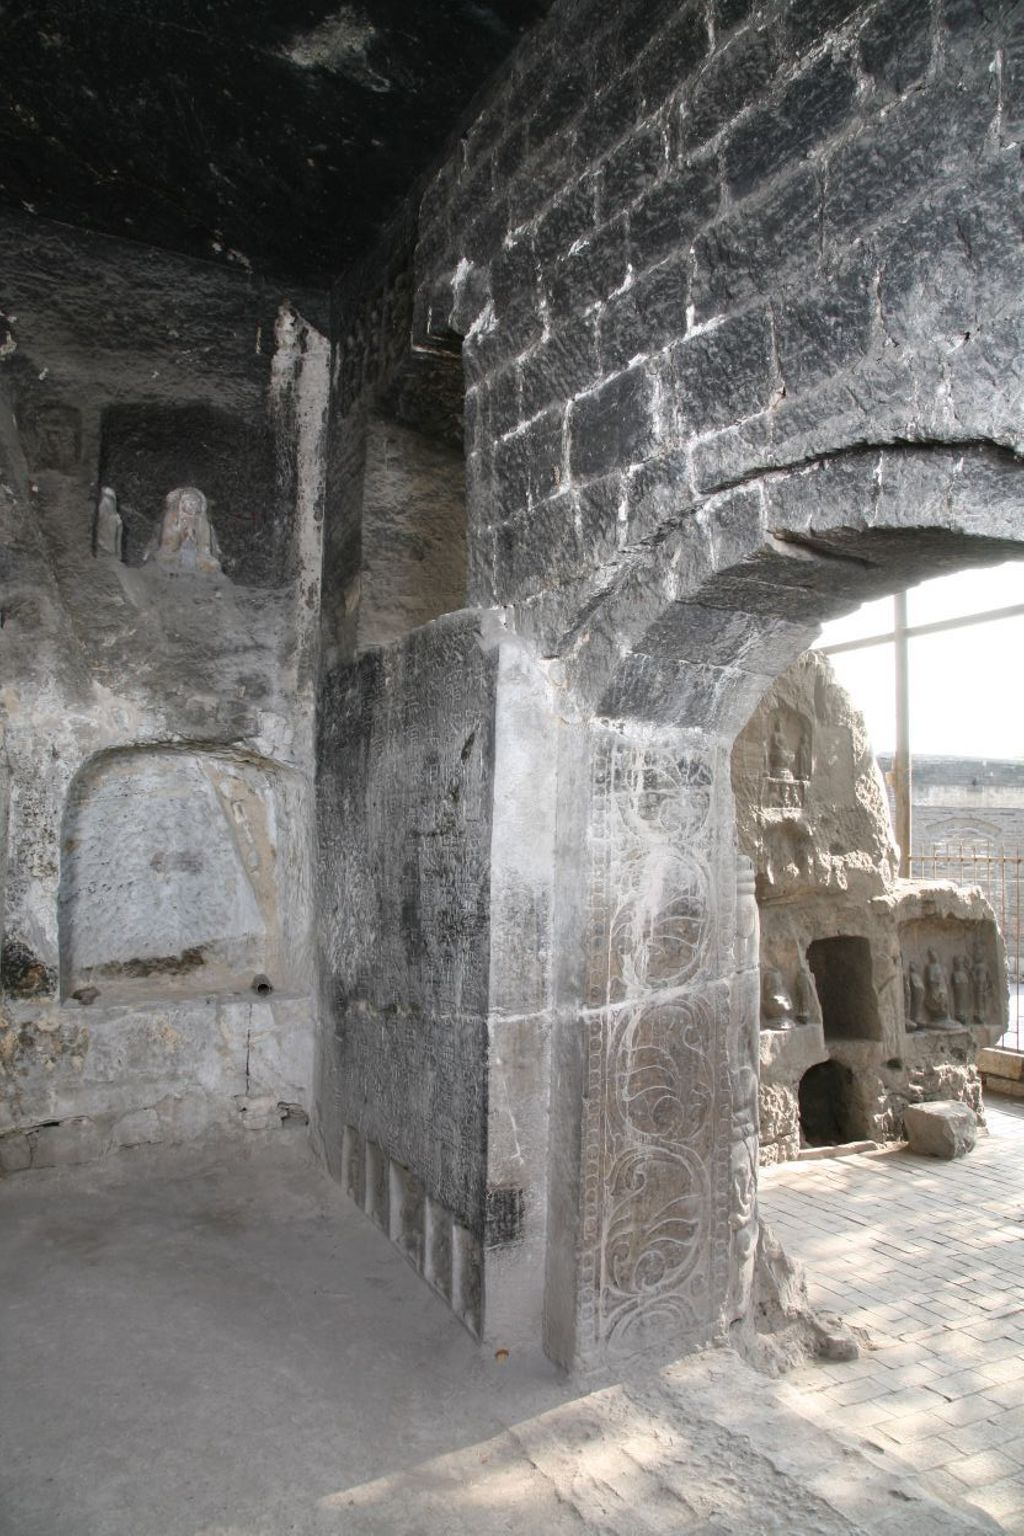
[108, 535]
[185, 540]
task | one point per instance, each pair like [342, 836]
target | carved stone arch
[663, 667]
[691, 632]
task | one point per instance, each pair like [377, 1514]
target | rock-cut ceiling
[276, 135]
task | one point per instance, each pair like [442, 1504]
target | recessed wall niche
[183, 873]
[148, 450]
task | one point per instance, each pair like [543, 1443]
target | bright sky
[966, 687]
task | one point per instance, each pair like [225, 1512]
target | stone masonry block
[896, 44]
[746, 252]
[676, 54]
[73, 1141]
[649, 315]
[632, 168]
[721, 374]
[737, 75]
[560, 367]
[589, 273]
[814, 106]
[818, 334]
[872, 176]
[942, 1129]
[613, 426]
[671, 213]
[15, 1152]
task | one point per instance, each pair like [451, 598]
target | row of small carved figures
[931, 1000]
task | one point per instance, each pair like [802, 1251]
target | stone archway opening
[665, 669]
[828, 1109]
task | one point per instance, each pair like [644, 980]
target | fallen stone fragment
[943, 1128]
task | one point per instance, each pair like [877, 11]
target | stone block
[138, 1128]
[259, 1113]
[735, 77]
[896, 44]
[676, 54]
[1008, 1064]
[72, 1141]
[590, 272]
[820, 334]
[632, 168]
[811, 21]
[812, 108]
[648, 315]
[669, 215]
[15, 1152]
[720, 375]
[745, 253]
[612, 426]
[941, 1129]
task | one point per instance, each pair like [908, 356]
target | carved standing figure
[961, 981]
[185, 540]
[805, 994]
[109, 534]
[981, 986]
[916, 986]
[805, 754]
[780, 758]
[936, 993]
[776, 1004]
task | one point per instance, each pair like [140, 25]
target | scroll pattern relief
[656, 1130]
[743, 1048]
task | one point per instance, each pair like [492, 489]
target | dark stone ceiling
[272, 134]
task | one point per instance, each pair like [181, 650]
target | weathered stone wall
[689, 244]
[157, 724]
[737, 289]
[406, 777]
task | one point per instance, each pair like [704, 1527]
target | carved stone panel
[657, 1128]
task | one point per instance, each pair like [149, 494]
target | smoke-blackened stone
[612, 426]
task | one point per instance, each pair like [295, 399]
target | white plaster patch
[339, 44]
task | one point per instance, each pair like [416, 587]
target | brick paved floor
[927, 1256]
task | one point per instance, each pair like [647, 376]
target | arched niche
[184, 872]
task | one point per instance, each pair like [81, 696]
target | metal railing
[999, 873]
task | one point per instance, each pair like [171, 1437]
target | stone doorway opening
[829, 1115]
[843, 979]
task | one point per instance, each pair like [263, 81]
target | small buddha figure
[780, 758]
[805, 993]
[805, 754]
[185, 540]
[109, 532]
[915, 989]
[981, 986]
[776, 1004]
[961, 983]
[936, 993]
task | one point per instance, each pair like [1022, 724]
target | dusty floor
[219, 1345]
[929, 1258]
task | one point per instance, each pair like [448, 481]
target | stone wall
[689, 244]
[157, 723]
[733, 292]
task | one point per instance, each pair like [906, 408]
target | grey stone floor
[215, 1343]
[928, 1257]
